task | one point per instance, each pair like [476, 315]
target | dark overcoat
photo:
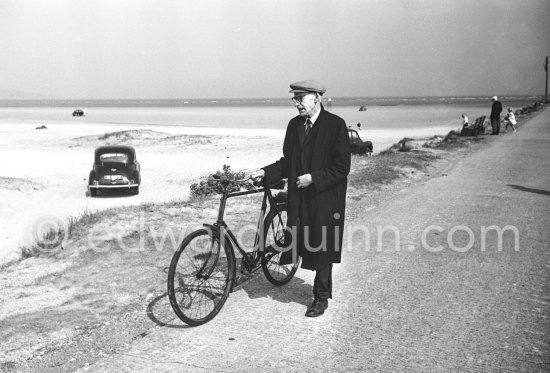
[496, 109]
[315, 213]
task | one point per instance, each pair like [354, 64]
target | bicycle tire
[200, 277]
[274, 228]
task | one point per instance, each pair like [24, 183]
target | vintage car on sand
[79, 113]
[357, 145]
[115, 167]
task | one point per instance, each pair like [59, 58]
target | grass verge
[385, 168]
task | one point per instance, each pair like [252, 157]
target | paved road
[470, 304]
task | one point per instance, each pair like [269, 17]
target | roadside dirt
[104, 291]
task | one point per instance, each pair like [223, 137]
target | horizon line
[261, 98]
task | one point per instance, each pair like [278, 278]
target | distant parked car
[79, 113]
[115, 167]
[359, 146]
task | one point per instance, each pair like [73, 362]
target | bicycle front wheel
[274, 236]
[200, 277]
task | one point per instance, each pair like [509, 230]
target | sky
[172, 49]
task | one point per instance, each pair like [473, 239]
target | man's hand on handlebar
[256, 175]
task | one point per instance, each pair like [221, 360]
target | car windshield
[114, 158]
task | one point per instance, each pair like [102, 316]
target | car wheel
[91, 179]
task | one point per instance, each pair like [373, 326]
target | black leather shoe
[317, 308]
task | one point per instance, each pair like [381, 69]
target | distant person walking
[496, 109]
[510, 120]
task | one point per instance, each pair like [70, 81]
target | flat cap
[307, 86]
[494, 98]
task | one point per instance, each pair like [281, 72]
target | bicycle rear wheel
[200, 277]
[274, 229]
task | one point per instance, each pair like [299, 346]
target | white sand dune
[143, 137]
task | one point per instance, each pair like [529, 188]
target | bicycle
[202, 271]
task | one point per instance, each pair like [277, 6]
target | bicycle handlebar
[239, 181]
[249, 177]
[225, 179]
[257, 181]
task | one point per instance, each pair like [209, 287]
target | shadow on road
[530, 190]
[297, 290]
[160, 312]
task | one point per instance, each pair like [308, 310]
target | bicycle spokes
[200, 278]
[204, 255]
[275, 234]
[278, 274]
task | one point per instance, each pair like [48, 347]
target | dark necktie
[308, 126]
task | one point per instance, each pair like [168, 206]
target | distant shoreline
[336, 101]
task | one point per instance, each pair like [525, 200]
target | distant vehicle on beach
[357, 145]
[115, 167]
[79, 113]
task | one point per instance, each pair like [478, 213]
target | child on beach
[510, 120]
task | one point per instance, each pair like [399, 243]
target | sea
[383, 120]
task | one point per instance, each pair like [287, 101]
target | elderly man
[496, 109]
[316, 161]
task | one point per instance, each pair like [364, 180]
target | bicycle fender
[211, 227]
[216, 232]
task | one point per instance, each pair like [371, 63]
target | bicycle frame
[225, 231]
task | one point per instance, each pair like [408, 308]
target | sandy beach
[44, 172]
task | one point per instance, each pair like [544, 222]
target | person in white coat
[510, 120]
